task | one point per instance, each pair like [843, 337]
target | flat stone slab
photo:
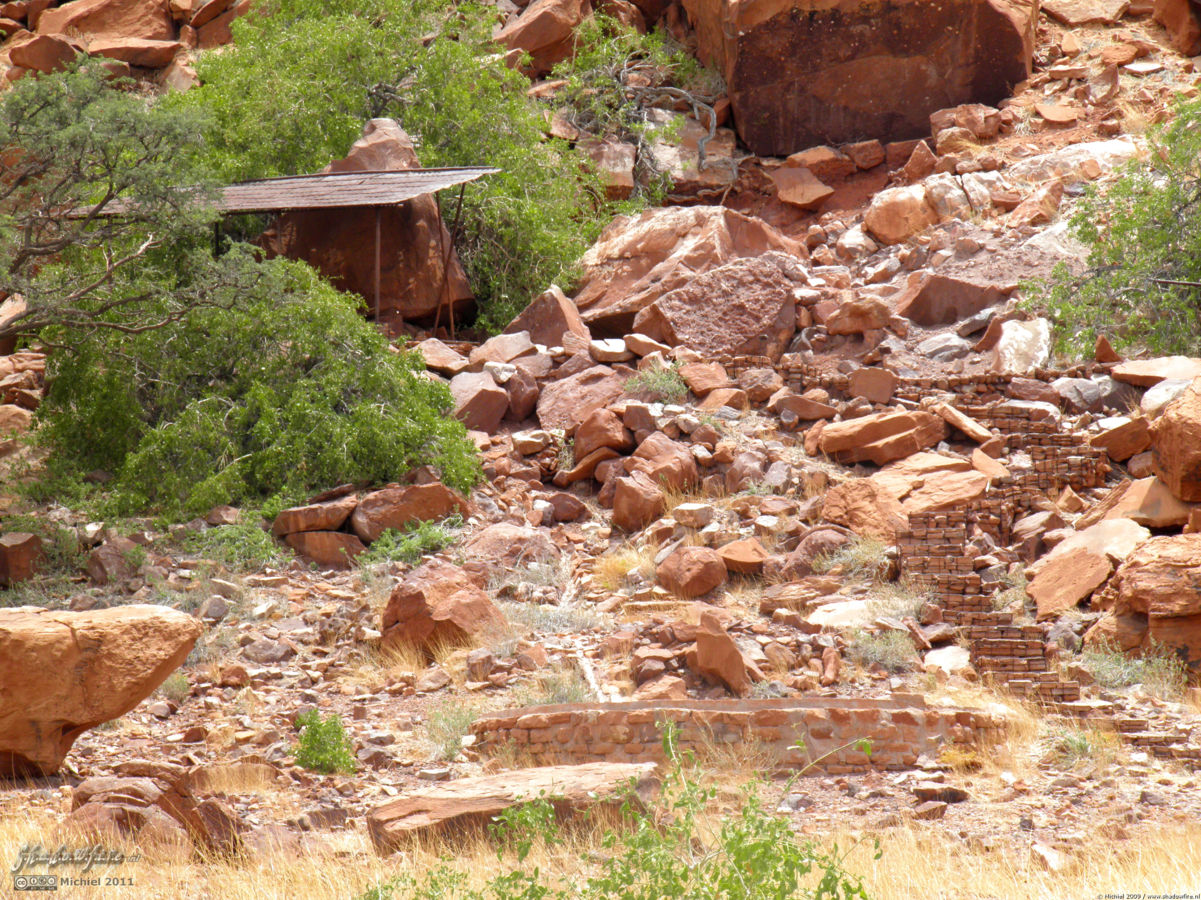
[475, 801]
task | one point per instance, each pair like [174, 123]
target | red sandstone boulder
[897, 214]
[414, 282]
[545, 30]
[328, 549]
[1158, 598]
[438, 605]
[505, 546]
[933, 299]
[480, 403]
[1080, 564]
[602, 428]
[567, 402]
[45, 53]
[719, 659]
[704, 378]
[866, 508]
[136, 51]
[66, 672]
[857, 315]
[744, 308]
[881, 437]
[820, 542]
[327, 516]
[1125, 440]
[638, 259]
[1150, 372]
[1183, 24]
[873, 384]
[744, 557]
[110, 19]
[396, 507]
[800, 75]
[454, 807]
[692, 571]
[549, 317]
[637, 502]
[20, 554]
[1176, 444]
[666, 461]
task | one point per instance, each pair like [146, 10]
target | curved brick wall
[901, 728]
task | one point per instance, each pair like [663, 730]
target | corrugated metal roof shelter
[340, 190]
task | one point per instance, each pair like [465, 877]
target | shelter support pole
[378, 214]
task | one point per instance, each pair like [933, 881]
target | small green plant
[893, 650]
[899, 599]
[1070, 745]
[861, 557]
[415, 541]
[562, 686]
[565, 459]
[176, 688]
[240, 547]
[1014, 590]
[665, 385]
[1160, 671]
[324, 745]
[448, 724]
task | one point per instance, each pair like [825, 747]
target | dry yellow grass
[611, 570]
[382, 666]
[920, 862]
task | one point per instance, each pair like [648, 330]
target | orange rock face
[438, 604]
[802, 72]
[692, 571]
[1176, 444]
[882, 437]
[743, 308]
[397, 507]
[639, 259]
[62, 673]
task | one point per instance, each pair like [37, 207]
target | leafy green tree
[1142, 286]
[78, 148]
[288, 390]
[302, 77]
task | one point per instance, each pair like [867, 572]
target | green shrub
[299, 82]
[614, 79]
[323, 745]
[447, 725]
[861, 557]
[1143, 233]
[176, 688]
[1160, 671]
[1070, 745]
[415, 541]
[678, 846]
[287, 392]
[562, 686]
[243, 547]
[664, 385]
[893, 650]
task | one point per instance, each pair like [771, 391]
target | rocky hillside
[791, 468]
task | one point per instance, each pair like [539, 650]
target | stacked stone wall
[819, 734]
